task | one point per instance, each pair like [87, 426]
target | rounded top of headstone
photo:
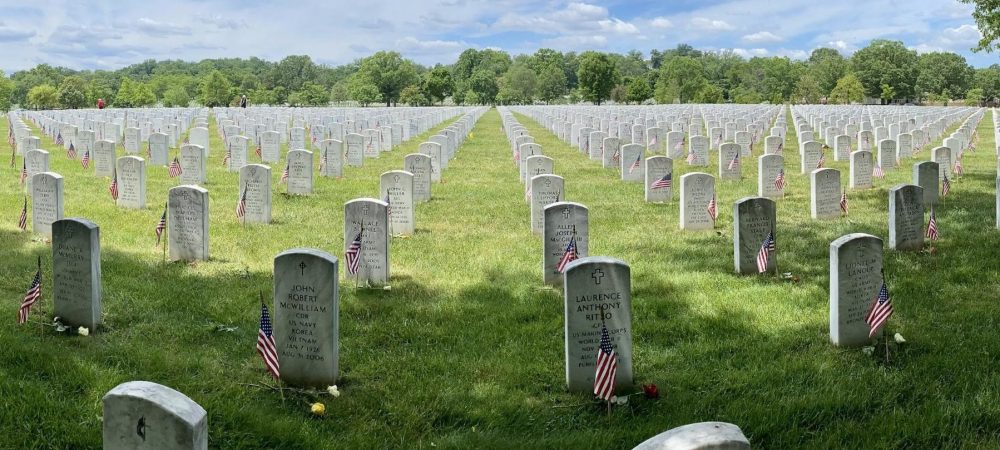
[536, 157]
[595, 260]
[187, 187]
[839, 242]
[307, 251]
[825, 171]
[43, 175]
[545, 176]
[693, 175]
[563, 205]
[364, 200]
[396, 172]
[176, 403]
[75, 221]
[905, 187]
[416, 156]
[698, 436]
[192, 146]
[658, 158]
[756, 200]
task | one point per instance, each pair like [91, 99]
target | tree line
[884, 71]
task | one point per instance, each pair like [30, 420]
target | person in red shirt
[100, 103]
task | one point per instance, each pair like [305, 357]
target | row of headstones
[80, 131]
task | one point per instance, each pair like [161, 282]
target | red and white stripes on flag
[265, 343]
[764, 253]
[22, 220]
[353, 254]
[843, 202]
[878, 172]
[241, 206]
[284, 175]
[85, 162]
[712, 209]
[664, 182]
[735, 162]
[175, 168]
[113, 188]
[880, 310]
[33, 295]
[569, 255]
[71, 152]
[932, 227]
[779, 181]
[161, 225]
[945, 186]
[959, 170]
[635, 164]
[228, 155]
[607, 368]
[24, 171]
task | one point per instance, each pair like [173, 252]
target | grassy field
[466, 349]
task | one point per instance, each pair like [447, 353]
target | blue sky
[112, 34]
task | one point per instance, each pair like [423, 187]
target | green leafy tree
[987, 15]
[363, 90]
[848, 90]
[940, 71]
[709, 93]
[521, 83]
[73, 92]
[411, 95]
[292, 72]
[826, 66]
[472, 98]
[263, 96]
[216, 90]
[988, 79]
[6, 91]
[339, 92]
[638, 90]
[551, 83]
[313, 94]
[974, 97]
[808, 90]
[101, 85]
[133, 94]
[681, 78]
[888, 93]
[43, 96]
[390, 73]
[438, 84]
[597, 76]
[176, 96]
[484, 83]
[886, 63]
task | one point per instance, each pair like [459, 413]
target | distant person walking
[100, 103]
[243, 101]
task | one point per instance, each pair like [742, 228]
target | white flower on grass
[620, 400]
[83, 331]
[333, 390]
[899, 338]
[868, 350]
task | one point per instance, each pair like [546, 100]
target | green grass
[466, 350]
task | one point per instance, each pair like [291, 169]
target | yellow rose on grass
[318, 409]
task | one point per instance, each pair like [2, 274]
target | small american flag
[388, 204]
[517, 156]
[187, 140]
[945, 186]
[22, 220]
[586, 146]
[284, 175]
[149, 150]
[322, 162]
[878, 172]
[265, 343]
[821, 162]
[635, 164]
[71, 153]
[679, 145]
[880, 311]
[690, 158]
[735, 162]
[664, 182]
[932, 227]
[713, 211]
[175, 168]
[241, 206]
[781, 148]
[569, 255]
[607, 368]
[764, 253]
[33, 295]
[959, 170]
[113, 188]
[85, 162]
[779, 181]
[24, 171]
[353, 254]
[653, 143]
[228, 155]
[161, 225]
[59, 139]
[527, 193]
[259, 152]
[843, 202]
[616, 156]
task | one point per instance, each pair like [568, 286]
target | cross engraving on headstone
[597, 275]
[140, 428]
[302, 266]
[566, 213]
[364, 210]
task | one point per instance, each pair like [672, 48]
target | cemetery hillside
[788, 250]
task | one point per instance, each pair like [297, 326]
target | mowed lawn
[466, 349]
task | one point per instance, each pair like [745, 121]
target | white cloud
[750, 53]
[966, 34]
[617, 26]
[702, 23]
[411, 44]
[661, 22]
[762, 37]
[156, 28]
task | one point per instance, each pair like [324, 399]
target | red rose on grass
[651, 391]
